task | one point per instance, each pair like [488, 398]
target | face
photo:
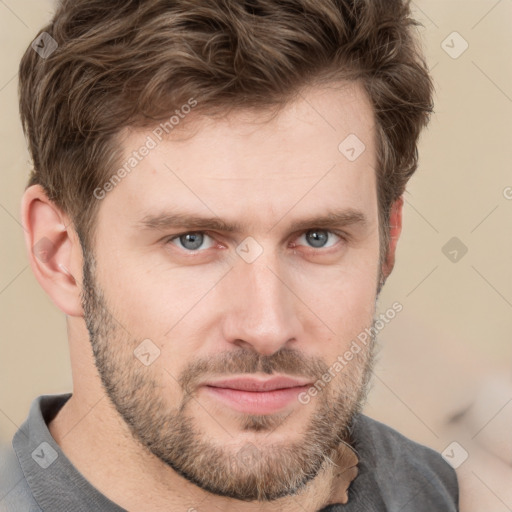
[217, 257]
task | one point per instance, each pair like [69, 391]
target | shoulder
[406, 472]
[15, 494]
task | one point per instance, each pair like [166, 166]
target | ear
[54, 251]
[395, 229]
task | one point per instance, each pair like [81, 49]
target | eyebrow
[168, 220]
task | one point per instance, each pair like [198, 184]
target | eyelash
[343, 236]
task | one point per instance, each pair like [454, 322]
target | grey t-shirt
[395, 473]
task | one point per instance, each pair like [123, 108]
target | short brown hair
[133, 62]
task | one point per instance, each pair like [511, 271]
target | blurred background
[444, 371]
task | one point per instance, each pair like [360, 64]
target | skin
[292, 311]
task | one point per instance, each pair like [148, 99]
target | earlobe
[395, 229]
[53, 250]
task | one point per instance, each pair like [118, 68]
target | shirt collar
[47, 470]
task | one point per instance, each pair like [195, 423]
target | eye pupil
[318, 238]
[196, 240]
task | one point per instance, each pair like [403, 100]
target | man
[215, 205]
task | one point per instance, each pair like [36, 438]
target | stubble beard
[260, 471]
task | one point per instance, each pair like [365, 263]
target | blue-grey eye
[318, 238]
[191, 241]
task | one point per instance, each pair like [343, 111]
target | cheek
[161, 303]
[343, 296]
[130, 297]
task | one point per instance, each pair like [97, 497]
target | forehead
[318, 150]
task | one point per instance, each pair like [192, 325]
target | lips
[256, 395]
[257, 384]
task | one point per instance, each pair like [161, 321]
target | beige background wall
[453, 336]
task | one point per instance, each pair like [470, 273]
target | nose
[263, 310]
